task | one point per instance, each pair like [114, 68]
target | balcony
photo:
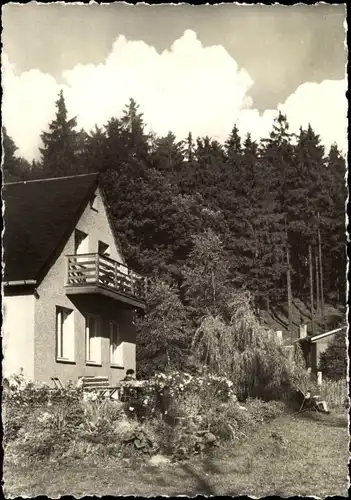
[99, 274]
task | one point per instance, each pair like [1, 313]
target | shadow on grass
[331, 420]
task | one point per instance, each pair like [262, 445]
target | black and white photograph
[174, 250]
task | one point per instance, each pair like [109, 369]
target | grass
[304, 454]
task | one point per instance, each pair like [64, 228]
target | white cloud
[186, 88]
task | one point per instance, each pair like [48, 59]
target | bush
[201, 423]
[156, 394]
[333, 361]
[200, 413]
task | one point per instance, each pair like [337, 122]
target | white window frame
[93, 358]
[116, 354]
[61, 338]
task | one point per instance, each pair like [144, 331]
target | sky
[190, 68]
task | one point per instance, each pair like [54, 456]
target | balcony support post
[97, 270]
[67, 270]
[116, 276]
[131, 275]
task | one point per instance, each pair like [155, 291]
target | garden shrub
[157, 394]
[333, 361]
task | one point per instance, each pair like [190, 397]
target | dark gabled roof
[39, 217]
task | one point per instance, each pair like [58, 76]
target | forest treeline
[249, 203]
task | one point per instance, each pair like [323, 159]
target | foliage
[201, 422]
[61, 144]
[163, 335]
[333, 361]
[163, 192]
[244, 351]
[201, 413]
[15, 168]
[206, 274]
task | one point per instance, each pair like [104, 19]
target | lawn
[303, 454]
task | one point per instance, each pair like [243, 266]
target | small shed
[313, 346]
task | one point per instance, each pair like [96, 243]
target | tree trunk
[288, 281]
[321, 273]
[317, 287]
[311, 287]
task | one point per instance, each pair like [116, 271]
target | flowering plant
[180, 382]
[157, 392]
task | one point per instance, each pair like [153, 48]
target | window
[94, 204]
[92, 340]
[103, 249]
[64, 334]
[80, 242]
[116, 352]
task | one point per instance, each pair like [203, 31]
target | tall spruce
[307, 198]
[61, 146]
[15, 168]
[333, 227]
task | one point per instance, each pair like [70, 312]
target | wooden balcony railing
[100, 270]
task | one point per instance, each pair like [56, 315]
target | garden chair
[58, 383]
[310, 402]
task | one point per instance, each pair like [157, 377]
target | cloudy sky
[199, 68]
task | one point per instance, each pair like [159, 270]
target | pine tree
[277, 160]
[168, 157]
[334, 227]
[306, 198]
[60, 151]
[132, 123]
[233, 145]
[189, 148]
[14, 167]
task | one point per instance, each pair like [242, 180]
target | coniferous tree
[168, 156]
[277, 158]
[333, 226]
[15, 168]
[134, 136]
[233, 145]
[60, 151]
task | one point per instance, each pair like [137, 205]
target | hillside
[277, 319]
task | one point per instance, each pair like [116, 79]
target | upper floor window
[94, 203]
[80, 242]
[103, 248]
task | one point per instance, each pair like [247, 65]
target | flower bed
[176, 414]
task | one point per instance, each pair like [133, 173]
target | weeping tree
[245, 351]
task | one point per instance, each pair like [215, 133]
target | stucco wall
[96, 225]
[18, 335]
[52, 293]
